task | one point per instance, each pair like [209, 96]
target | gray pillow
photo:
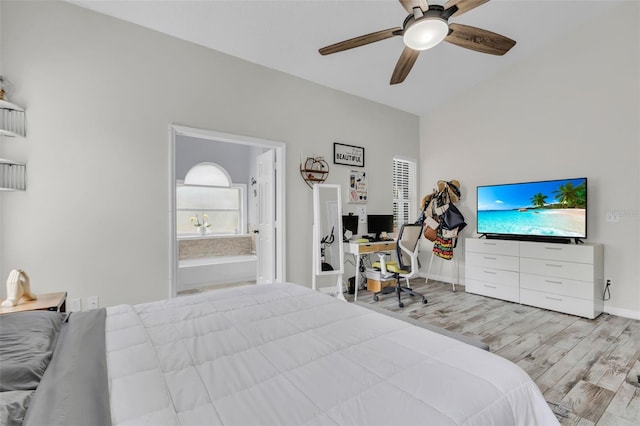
[27, 341]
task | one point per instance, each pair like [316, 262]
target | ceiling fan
[425, 27]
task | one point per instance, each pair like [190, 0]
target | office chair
[406, 266]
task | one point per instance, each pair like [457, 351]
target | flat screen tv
[550, 210]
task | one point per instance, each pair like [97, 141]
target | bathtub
[206, 271]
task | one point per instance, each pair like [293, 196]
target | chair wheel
[424, 301]
[401, 304]
[375, 298]
[411, 294]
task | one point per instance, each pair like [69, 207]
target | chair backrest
[410, 234]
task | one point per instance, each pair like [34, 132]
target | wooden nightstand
[45, 302]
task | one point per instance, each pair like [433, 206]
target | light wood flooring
[588, 370]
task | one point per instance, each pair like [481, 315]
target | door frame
[279, 225]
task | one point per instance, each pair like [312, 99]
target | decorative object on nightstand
[18, 287]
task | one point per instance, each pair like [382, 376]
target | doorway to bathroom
[227, 209]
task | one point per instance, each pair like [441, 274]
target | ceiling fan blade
[410, 4]
[479, 40]
[464, 5]
[360, 41]
[404, 65]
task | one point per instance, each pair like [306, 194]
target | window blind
[404, 192]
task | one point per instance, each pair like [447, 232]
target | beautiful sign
[348, 155]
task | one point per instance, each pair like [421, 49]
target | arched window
[207, 174]
[209, 199]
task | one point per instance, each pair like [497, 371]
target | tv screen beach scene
[549, 208]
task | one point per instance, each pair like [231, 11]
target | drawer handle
[552, 265]
[554, 282]
[554, 298]
[553, 248]
[490, 286]
[489, 257]
[489, 244]
[489, 272]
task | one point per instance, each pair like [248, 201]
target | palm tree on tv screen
[571, 196]
[581, 191]
[538, 200]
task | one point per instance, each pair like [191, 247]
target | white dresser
[561, 277]
[492, 268]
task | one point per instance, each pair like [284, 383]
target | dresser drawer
[554, 302]
[562, 252]
[552, 268]
[492, 261]
[375, 247]
[561, 286]
[492, 246]
[498, 291]
[494, 276]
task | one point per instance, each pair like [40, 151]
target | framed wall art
[348, 155]
[357, 186]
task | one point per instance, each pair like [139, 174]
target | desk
[360, 249]
[44, 302]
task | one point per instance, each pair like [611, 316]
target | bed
[277, 354]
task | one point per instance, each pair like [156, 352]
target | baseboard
[619, 312]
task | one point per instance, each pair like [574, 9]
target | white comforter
[281, 354]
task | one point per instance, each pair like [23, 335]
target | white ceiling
[285, 35]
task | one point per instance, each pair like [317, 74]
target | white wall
[570, 110]
[100, 94]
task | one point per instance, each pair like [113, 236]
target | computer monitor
[349, 223]
[379, 223]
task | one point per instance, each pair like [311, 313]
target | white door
[266, 242]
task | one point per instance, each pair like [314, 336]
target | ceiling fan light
[425, 33]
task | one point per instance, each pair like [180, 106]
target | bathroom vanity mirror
[328, 251]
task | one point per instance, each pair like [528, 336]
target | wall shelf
[13, 175]
[314, 170]
[12, 120]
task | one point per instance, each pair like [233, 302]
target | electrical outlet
[613, 216]
[74, 305]
[92, 302]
